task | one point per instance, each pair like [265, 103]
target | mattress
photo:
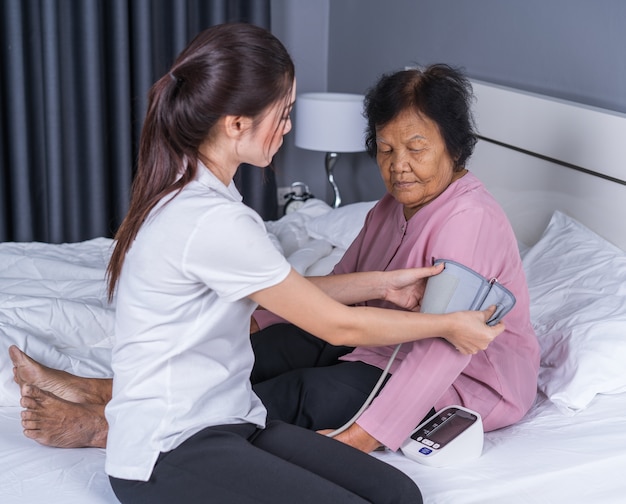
[545, 458]
[571, 446]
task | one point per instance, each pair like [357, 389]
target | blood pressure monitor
[451, 436]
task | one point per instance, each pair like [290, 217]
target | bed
[556, 167]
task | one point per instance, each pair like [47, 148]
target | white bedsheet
[31, 473]
[547, 458]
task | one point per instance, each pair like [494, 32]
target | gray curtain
[73, 87]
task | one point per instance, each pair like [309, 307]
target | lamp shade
[330, 122]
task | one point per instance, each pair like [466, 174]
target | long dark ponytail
[229, 69]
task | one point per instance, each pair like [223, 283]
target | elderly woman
[420, 131]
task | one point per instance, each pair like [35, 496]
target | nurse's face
[413, 160]
[269, 132]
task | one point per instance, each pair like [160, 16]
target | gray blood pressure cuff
[459, 288]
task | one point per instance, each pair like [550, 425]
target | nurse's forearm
[351, 288]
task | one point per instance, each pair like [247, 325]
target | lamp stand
[331, 158]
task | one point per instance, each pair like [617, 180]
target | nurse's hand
[471, 333]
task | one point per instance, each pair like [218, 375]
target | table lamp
[331, 123]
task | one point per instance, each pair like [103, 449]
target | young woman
[191, 264]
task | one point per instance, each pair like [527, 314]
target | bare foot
[60, 383]
[53, 421]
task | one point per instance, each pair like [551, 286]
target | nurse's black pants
[282, 463]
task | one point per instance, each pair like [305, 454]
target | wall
[571, 49]
[302, 25]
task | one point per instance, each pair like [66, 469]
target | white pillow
[577, 285]
[340, 226]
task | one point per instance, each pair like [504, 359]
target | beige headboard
[539, 154]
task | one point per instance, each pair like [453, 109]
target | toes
[28, 403]
[13, 352]
[28, 390]
[17, 356]
[37, 435]
[30, 425]
[30, 433]
[32, 396]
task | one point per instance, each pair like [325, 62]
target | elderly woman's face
[413, 160]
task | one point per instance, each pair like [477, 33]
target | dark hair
[229, 69]
[439, 92]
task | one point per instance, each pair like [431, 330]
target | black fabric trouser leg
[241, 464]
[284, 347]
[300, 380]
[318, 398]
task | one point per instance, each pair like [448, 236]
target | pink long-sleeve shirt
[467, 225]
[463, 224]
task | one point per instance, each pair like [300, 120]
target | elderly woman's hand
[472, 334]
[356, 437]
[405, 287]
[254, 326]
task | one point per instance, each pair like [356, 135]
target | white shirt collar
[206, 177]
